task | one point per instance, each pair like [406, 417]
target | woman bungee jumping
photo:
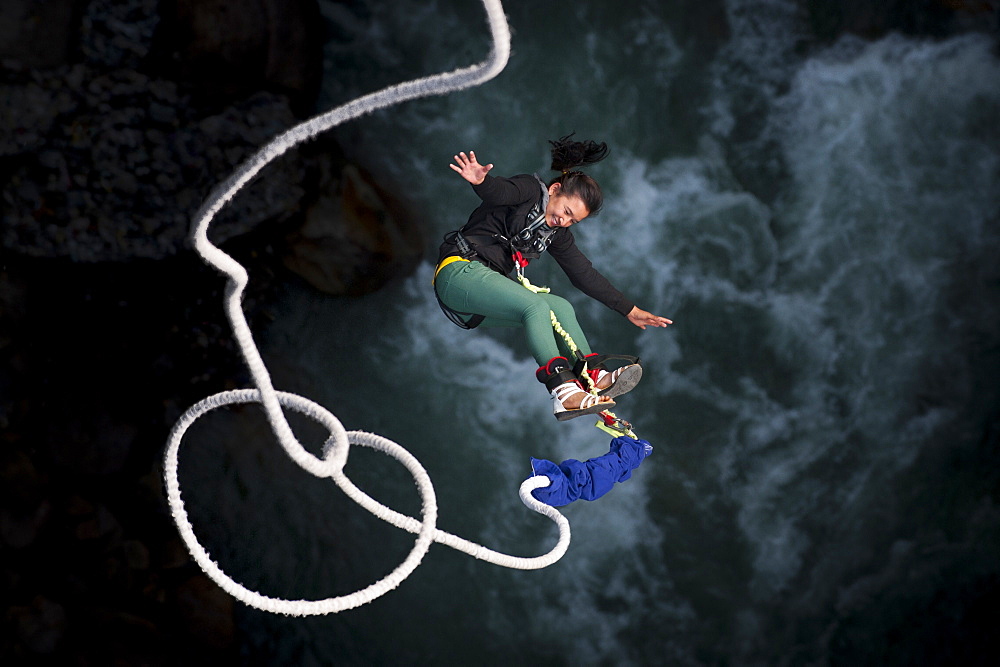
[519, 218]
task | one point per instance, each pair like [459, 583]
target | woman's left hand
[643, 319]
[468, 167]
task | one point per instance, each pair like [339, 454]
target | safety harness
[524, 246]
[466, 253]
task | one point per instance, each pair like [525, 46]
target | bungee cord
[335, 449]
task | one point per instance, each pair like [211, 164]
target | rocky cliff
[118, 117]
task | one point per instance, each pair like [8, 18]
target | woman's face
[564, 210]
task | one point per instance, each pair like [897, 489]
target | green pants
[470, 287]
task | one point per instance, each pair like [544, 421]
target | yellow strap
[445, 262]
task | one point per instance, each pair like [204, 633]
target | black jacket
[504, 212]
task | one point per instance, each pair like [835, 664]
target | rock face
[112, 166]
[38, 35]
[228, 50]
[118, 118]
[110, 155]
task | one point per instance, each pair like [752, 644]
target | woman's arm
[592, 282]
[494, 191]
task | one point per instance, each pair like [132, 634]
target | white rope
[336, 447]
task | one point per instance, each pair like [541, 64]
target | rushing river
[822, 222]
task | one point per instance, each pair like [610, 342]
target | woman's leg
[566, 315]
[470, 287]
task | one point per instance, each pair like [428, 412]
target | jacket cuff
[485, 186]
[624, 307]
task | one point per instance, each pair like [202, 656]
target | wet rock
[98, 524]
[20, 527]
[20, 482]
[207, 612]
[108, 158]
[110, 173]
[226, 50]
[114, 637]
[107, 161]
[23, 506]
[37, 34]
[172, 553]
[118, 33]
[40, 626]
[355, 237]
[136, 555]
[92, 444]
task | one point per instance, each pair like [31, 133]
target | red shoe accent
[554, 365]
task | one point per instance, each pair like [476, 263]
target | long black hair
[567, 155]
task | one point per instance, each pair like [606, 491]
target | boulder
[354, 238]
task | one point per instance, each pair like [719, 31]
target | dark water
[822, 222]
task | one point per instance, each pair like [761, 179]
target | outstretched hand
[469, 168]
[643, 319]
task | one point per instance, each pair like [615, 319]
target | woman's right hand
[469, 168]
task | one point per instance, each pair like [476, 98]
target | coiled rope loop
[335, 450]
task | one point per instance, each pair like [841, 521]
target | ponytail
[567, 155]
